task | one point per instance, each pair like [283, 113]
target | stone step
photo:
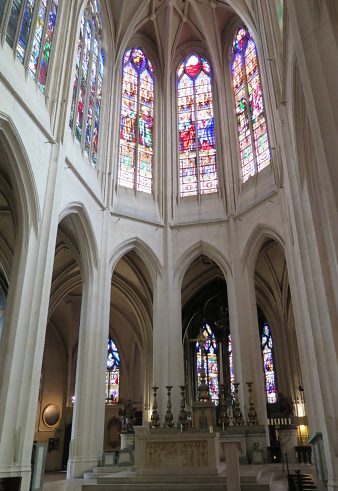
[201, 486]
[133, 478]
[100, 471]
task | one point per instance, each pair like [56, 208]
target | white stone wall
[294, 202]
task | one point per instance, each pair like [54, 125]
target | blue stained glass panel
[25, 29]
[13, 22]
[40, 24]
[2, 8]
[112, 373]
[268, 364]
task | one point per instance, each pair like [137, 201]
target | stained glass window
[2, 8]
[25, 30]
[251, 123]
[135, 168]
[279, 11]
[268, 364]
[231, 366]
[210, 363]
[42, 41]
[112, 373]
[84, 119]
[34, 34]
[196, 127]
[13, 21]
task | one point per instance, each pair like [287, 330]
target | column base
[332, 485]
[24, 472]
[76, 467]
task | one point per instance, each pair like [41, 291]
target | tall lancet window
[210, 362]
[85, 109]
[30, 30]
[136, 156]
[112, 373]
[268, 364]
[231, 367]
[196, 128]
[251, 123]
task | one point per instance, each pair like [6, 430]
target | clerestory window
[85, 112]
[251, 122]
[30, 30]
[136, 155]
[196, 127]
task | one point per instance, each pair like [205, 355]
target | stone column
[312, 175]
[23, 336]
[245, 338]
[86, 444]
[167, 346]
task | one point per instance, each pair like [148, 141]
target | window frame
[266, 111]
[261, 334]
[108, 401]
[180, 58]
[140, 44]
[28, 51]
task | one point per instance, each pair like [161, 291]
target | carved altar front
[163, 451]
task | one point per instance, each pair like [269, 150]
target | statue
[128, 414]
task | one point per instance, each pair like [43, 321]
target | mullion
[246, 83]
[78, 75]
[43, 37]
[28, 53]
[18, 22]
[137, 130]
[86, 102]
[196, 141]
[90, 150]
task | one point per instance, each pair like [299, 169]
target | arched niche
[205, 312]
[75, 260]
[282, 373]
[130, 326]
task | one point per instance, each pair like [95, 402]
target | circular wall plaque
[51, 415]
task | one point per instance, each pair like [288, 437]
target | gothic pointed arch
[79, 229]
[15, 163]
[142, 249]
[201, 248]
[260, 234]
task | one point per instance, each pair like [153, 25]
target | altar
[190, 452]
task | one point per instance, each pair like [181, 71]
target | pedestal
[231, 448]
[127, 440]
[203, 415]
[249, 436]
[316, 441]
